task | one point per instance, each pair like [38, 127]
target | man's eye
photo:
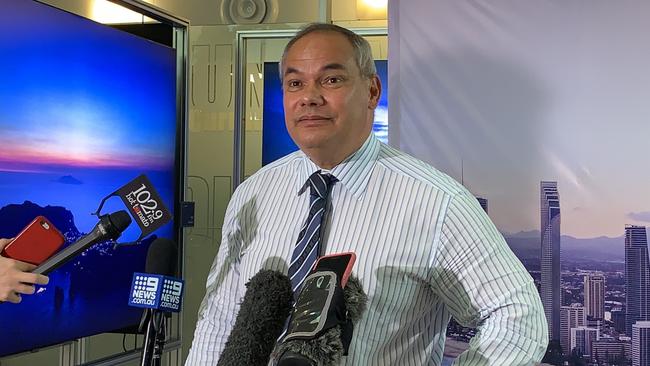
[333, 80]
[294, 83]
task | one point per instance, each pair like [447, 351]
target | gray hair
[360, 47]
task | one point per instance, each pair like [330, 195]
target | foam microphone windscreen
[260, 321]
[120, 220]
[162, 257]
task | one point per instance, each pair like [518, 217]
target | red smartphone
[37, 242]
[339, 263]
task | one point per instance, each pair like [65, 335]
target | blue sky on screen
[58, 98]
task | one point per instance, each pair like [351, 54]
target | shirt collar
[353, 173]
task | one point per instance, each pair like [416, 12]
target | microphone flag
[151, 291]
[144, 203]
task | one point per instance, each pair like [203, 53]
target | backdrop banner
[542, 110]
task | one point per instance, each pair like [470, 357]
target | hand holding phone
[15, 278]
[35, 243]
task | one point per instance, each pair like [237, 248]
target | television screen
[84, 109]
[276, 141]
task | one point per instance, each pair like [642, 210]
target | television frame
[73, 350]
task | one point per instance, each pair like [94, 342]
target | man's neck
[325, 164]
[329, 161]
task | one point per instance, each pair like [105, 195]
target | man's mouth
[313, 117]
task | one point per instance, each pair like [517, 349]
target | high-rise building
[618, 318]
[641, 343]
[595, 296]
[637, 276]
[570, 317]
[550, 256]
[582, 339]
[484, 203]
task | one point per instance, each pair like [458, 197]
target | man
[15, 278]
[426, 250]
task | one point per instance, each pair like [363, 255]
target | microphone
[259, 323]
[109, 227]
[328, 347]
[159, 293]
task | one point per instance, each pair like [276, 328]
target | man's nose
[312, 96]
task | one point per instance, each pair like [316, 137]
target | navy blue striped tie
[309, 240]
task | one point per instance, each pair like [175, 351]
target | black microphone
[162, 259]
[109, 227]
[328, 347]
[259, 323]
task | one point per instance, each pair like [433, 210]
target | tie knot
[321, 183]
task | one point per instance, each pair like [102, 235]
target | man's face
[328, 105]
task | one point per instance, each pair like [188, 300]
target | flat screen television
[84, 109]
[276, 141]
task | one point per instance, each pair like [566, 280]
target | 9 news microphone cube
[158, 292]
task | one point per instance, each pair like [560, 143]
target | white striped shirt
[425, 251]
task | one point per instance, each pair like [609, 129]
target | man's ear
[375, 92]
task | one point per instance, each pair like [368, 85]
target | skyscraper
[637, 276]
[582, 339]
[595, 295]
[570, 317]
[550, 256]
[641, 343]
[618, 318]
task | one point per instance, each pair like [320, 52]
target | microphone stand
[161, 337]
[154, 337]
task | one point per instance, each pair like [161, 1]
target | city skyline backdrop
[504, 97]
